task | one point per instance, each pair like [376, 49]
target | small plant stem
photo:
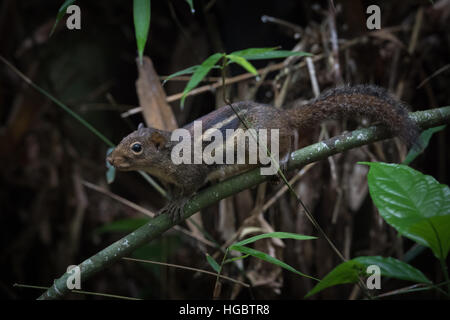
[217, 284]
[445, 272]
[78, 291]
[441, 256]
[188, 268]
[58, 103]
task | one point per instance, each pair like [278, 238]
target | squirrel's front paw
[174, 209]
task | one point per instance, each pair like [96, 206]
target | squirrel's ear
[141, 125]
[158, 139]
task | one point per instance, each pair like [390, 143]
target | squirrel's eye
[136, 147]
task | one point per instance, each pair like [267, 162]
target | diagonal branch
[213, 194]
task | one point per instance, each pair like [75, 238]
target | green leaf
[243, 63]
[253, 52]
[424, 140]
[416, 205]
[191, 5]
[124, 225]
[267, 53]
[111, 171]
[61, 13]
[350, 271]
[182, 72]
[200, 73]
[393, 268]
[239, 57]
[267, 258]
[212, 263]
[236, 258]
[279, 235]
[141, 15]
[434, 233]
[346, 272]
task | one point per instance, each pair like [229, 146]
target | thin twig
[78, 291]
[188, 268]
[416, 31]
[283, 189]
[187, 78]
[334, 43]
[144, 211]
[297, 29]
[414, 288]
[119, 199]
[437, 72]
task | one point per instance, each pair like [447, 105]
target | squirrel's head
[142, 149]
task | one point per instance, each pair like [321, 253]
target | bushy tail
[352, 102]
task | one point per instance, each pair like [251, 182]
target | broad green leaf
[124, 225]
[243, 63]
[141, 15]
[350, 271]
[267, 53]
[393, 268]
[61, 12]
[424, 139]
[346, 272]
[268, 258]
[180, 73]
[280, 235]
[111, 171]
[213, 263]
[200, 73]
[416, 205]
[433, 232]
[191, 5]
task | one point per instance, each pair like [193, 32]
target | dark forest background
[50, 219]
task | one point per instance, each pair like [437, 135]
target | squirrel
[150, 149]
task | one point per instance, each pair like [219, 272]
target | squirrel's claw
[174, 209]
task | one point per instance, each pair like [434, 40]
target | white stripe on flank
[219, 125]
